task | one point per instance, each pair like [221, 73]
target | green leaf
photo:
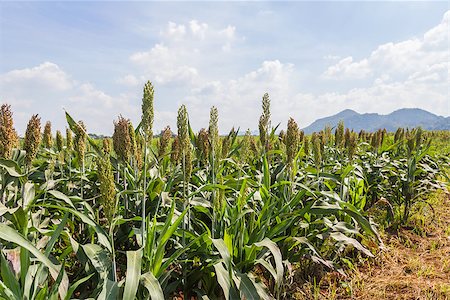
[276, 253]
[73, 124]
[165, 234]
[9, 278]
[61, 196]
[56, 234]
[9, 234]
[133, 273]
[74, 286]
[223, 279]
[99, 258]
[246, 287]
[342, 238]
[6, 292]
[102, 236]
[28, 195]
[11, 167]
[266, 173]
[110, 291]
[223, 250]
[153, 286]
[176, 254]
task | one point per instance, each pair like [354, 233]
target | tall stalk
[144, 194]
[213, 135]
[147, 126]
[183, 134]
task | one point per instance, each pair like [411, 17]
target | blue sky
[314, 59]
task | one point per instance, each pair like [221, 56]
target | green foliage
[213, 217]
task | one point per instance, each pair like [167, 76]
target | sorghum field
[202, 216]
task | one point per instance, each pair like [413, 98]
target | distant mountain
[406, 117]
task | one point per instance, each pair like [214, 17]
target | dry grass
[415, 264]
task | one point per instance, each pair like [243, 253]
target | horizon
[314, 59]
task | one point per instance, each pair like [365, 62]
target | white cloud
[47, 74]
[331, 57]
[198, 29]
[348, 69]
[175, 31]
[129, 80]
[181, 52]
[399, 59]
[164, 65]
[239, 100]
[46, 90]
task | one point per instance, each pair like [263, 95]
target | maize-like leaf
[152, 285]
[110, 290]
[9, 234]
[273, 248]
[133, 273]
[9, 279]
[99, 258]
[223, 278]
[11, 167]
[342, 238]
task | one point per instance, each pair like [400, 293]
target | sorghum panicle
[282, 137]
[106, 145]
[213, 131]
[183, 135]
[107, 186]
[80, 140]
[264, 122]
[245, 152]
[347, 138]
[59, 140]
[301, 136]
[32, 139]
[139, 154]
[132, 139]
[315, 140]
[292, 142]
[147, 110]
[203, 144]
[164, 141]
[175, 151]
[226, 143]
[327, 134]
[352, 145]
[183, 130]
[69, 139]
[47, 140]
[8, 135]
[122, 140]
[306, 145]
[339, 134]
[419, 136]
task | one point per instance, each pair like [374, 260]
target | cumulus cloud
[398, 59]
[129, 80]
[47, 74]
[176, 59]
[47, 90]
[347, 69]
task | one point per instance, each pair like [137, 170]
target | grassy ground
[414, 264]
